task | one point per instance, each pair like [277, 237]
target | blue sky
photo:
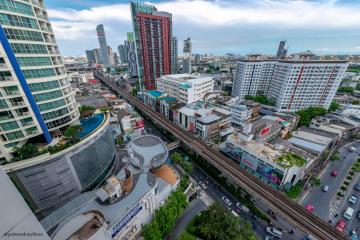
[219, 26]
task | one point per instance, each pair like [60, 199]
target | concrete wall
[50, 184]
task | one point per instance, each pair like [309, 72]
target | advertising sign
[265, 131]
[250, 161]
[125, 220]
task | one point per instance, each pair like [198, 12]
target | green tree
[306, 115]
[26, 151]
[335, 157]
[333, 106]
[86, 110]
[357, 87]
[355, 102]
[315, 182]
[104, 109]
[249, 97]
[216, 223]
[346, 90]
[186, 236]
[176, 157]
[134, 92]
[72, 132]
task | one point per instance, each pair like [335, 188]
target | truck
[274, 232]
[348, 213]
[242, 207]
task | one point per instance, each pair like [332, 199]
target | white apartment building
[186, 88]
[252, 77]
[293, 84]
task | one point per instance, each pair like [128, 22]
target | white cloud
[234, 21]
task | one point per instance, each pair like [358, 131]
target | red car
[341, 225]
[334, 173]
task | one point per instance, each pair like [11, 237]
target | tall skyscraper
[292, 84]
[153, 33]
[97, 55]
[131, 57]
[116, 59]
[282, 50]
[123, 53]
[36, 97]
[111, 56]
[174, 55]
[104, 53]
[90, 56]
[187, 56]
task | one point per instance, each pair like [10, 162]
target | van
[348, 213]
[234, 213]
[275, 232]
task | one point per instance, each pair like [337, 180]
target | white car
[203, 185]
[352, 149]
[269, 237]
[353, 199]
[325, 188]
[226, 201]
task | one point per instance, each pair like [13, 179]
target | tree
[306, 115]
[346, 90]
[357, 87]
[104, 109]
[315, 182]
[72, 132]
[249, 97]
[26, 151]
[176, 157]
[187, 236]
[304, 119]
[333, 106]
[216, 223]
[335, 157]
[134, 92]
[86, 110]
[355, 102]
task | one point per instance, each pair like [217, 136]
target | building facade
[186, 88]
[123, 53]
[104, 52]
[36, 97]
[187, 56]
[132, 57]
[90, 56]
[153, 33]
[292, 84]
[282, 50]
[174, 55]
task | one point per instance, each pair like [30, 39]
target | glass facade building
[35, 93]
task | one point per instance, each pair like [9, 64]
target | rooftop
[207, 119]
[155, 93]
[185, 77]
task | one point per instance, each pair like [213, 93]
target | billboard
[125, 220]
[250, 161]
[265, 131]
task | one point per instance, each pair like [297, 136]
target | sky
[218, 26]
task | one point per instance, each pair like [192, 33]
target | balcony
[6, 79]
[18, 104]
[23, 114]
[12, 93]
[25, 124]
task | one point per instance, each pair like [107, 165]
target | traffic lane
[321, 200]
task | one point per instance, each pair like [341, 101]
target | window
[3, 104]
[5, 76]
[12, 20]
[39, 73]
[34, 61]
[42, 86]
[18, 7]
[55, 114]
[52, 105]
[19, 34]
[26, 48]
[48, 96]
[14, 135]
[9, 126]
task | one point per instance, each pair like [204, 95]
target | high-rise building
[282, 50]
[187, 56]
[111, 56]
[104, 52]
[90, 56]
[174, 55]
[292, 84]
[197, 58]
[123, 53]
[36, 97]
[153, 33]
[97, 55]
[116, 58]
[131, 57]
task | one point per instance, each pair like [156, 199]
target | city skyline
[242, 28]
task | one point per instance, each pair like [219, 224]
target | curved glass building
[35, 94]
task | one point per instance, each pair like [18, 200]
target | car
[354, 235]
[325, 188]
[341, 225]
[334, 173]
[353, 199]
[274, 232]
[270, 212]
[238, 205]
[358, 215]
[352, 149]
[238, 210]
[226, 201]
[357, 187]
[203, 185]
[269, 237]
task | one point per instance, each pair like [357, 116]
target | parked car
[269, 237]
[358, 215]
[348, 214]
[352, 149]
[353, 199]
[226, 201]
[203, 185]
[325, 188]
[341, 225]
[334, 173]
[275, 232]
[357, 187]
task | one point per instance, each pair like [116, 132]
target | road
[322, 200]
[293, 212]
